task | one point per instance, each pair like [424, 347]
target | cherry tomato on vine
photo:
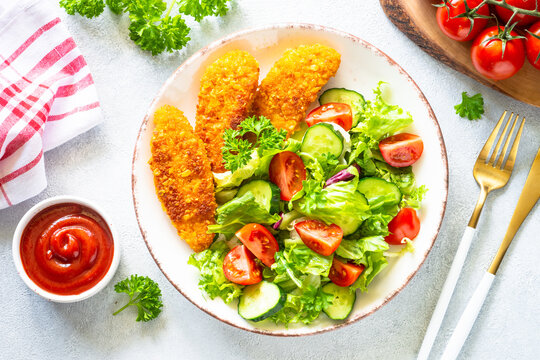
[533, 45]
[487, 54]
[460, 28]
[522, 20]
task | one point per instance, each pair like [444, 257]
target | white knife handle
[465, 324]
[446, 293]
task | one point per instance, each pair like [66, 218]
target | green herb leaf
[152, 27]
[253, 132]
[143, 293]
[152, 32]
[471, 107]
[87, 8]
[199, 9]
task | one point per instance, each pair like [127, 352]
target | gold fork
[491, 173]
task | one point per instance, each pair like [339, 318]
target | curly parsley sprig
[253, 132]
[150, 28]
[471, 107]
[143, 293]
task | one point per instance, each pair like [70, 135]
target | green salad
[306, 221]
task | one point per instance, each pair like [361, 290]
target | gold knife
[528, 198]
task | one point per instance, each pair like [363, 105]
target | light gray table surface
[97, 166]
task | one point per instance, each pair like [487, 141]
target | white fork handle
[466, 322]
[446, 293]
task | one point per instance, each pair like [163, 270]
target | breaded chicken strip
[228, 88]
[182, 176]
[293, 83]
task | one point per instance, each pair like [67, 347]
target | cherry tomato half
[533, 45]
[319, 237]
[344, 273]
[337, 113]
[522, 20]
[460, 28]
[259, 241]
[405, 224]
[240, 267]
[488, 59]
[401, 150]
[287, 171]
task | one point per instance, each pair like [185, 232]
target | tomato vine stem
[504, 4]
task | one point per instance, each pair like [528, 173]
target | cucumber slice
[225, 196]
[260, 301]
[350, 224]
[322, 138]
[350, 97]
[266, 193]
[343, 301]
[379, 192]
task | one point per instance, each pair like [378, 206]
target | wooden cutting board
[416, 19]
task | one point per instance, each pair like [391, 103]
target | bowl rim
[29, 215]
[295, 25]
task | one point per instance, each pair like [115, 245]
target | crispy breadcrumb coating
[293, 83]
[228, 88]
[182, 176]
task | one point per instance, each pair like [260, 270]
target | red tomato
[488, 59]
[404, 225]
[343, 273]
[287, 171]
[401, 150]
[337, 113]
[240, 267]
[460, 28]
[259, 241]
[533, 45]
[319, 237]
[522, 20]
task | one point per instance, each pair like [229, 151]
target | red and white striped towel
[47, 95]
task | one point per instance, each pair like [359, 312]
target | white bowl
[362, 67]
[17, 253]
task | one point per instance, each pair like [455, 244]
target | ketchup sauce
[66, 249]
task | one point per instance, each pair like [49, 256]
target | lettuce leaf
[368, 251]
[376, 224]
[303, 305]
[379, 119]
[374, 263]
[238, 212]
[402, 177]
[414, 198]
[355, 249]
[297, 260]
[339, 203]
[212, 280]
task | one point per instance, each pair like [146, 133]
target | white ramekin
[17, 253]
